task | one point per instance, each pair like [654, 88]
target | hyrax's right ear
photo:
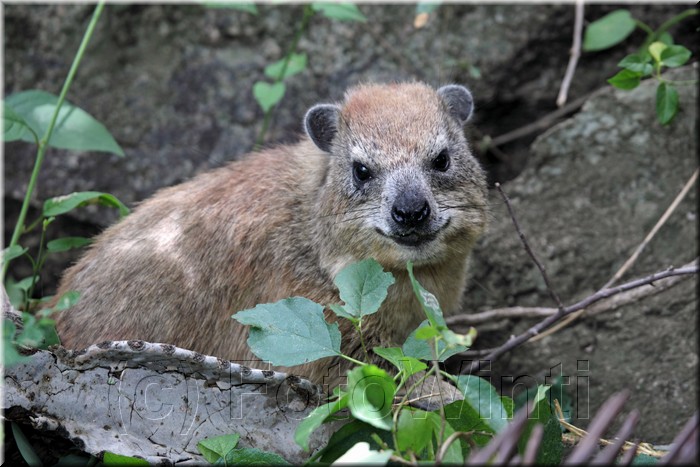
[459, 101]
[321, 124]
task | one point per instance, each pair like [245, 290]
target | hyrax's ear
[321, 124]
[459, 101]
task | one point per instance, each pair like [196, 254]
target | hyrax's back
[387, 174]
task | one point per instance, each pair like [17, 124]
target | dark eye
[442, 161]
[361, 172]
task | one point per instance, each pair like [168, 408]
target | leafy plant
[656, 53]
[27, 115]
[222, 450]
[380, 427]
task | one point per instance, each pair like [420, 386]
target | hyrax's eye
[442, 161]
[361, 172]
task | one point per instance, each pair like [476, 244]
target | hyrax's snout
[410, 209]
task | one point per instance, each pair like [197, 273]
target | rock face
[595, 186]
[173, 84]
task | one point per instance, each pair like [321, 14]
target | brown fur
[277, 224]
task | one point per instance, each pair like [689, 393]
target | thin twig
[448, 442]
[613, 303]
[574, 55]
[552, 293]
[596, 297]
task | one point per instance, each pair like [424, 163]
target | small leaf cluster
[382, 424]
[222, 450]
[656, 53]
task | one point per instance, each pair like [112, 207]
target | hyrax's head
[402, 183]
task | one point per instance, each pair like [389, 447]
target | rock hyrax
[387, 174]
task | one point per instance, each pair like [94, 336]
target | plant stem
[308, 13]
[644, 27]
[667, 25]
[43, 144]
[357, 362]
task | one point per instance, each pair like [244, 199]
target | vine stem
[43, 143]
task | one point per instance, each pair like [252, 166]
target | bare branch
[575, 54]
[591, 299]
[552, 293]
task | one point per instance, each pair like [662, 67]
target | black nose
[410, 210]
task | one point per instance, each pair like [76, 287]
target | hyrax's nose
[410, 209]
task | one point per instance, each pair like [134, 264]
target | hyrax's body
[387, 175]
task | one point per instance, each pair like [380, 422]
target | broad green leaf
[463, 417]
[63, 204]
[551, 449]
[14, 293]
[349, 435]
[666, 103]
[608, 31]
[252, 456]
[454, 452]
[424, 350]
[290, 332]
[111, 459]
[626, 80]
[340, 311]
[242, 6]
[361, 454]
[395, 355]
[485, 400]
[66, 243]
[10, 356]
[15, 251]
[25, 283]
[15, 128]
[639, 63]
[342, 11]
[32, 334]
[430, 305]
[414, 430]
[315, 419]
[363, 287]
[427, 332]
[656, 49]
[297, 64]
[675, 56]
[666, 38]
[268, 95]
[67, 300]
[75, 129]
[371, 392]
[426, 7]
[25, 447]
[213, 449]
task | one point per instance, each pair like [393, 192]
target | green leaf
[10, 356]
[363, 287]
[675, 56]
[639, 63]
[290, 332]
[408, 365]
[656, 49]
[213, 449]
[24, 284]
[551, 449]
[484, 399]
[253, 456]
[626, 80]
[242, 6]
[463, 417]
[349, 435]
[63, 204]
[361, 454]
[315, 419]
[15, 293]
[110, 459]
[66, 243]
[268, 95]
[423, 350]
[15, 128]
[430, 305]
[340, 311]
[25, 447]
[342, 11]
[666, 103]
[414, 430]
[608, 31]
[15, 251]
[371, 392]
[426, 7]
[67, 300]
[454, 452]
[666, 38]
[297, 64]
[75, 129]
